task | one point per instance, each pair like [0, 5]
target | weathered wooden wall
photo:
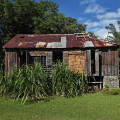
[65, 57]
[38, 53]
[110, 64]
[88, 62]
[106, 61]
[10, 61]
[88, 66]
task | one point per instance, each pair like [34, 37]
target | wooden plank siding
[113, 63]
[6, 62]
[38, 53]
[100, 63]
[49, 58]
[88, 62]
[106, 63]
[97, 62]
[11, 61]
[65, 57]
[106, 60]
[116, 63]
[110, 63]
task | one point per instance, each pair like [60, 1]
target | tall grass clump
[66, 82]
[1, 75]
[3, 81]
[31, 83]
[26, 83]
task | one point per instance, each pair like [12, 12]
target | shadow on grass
[38, 100]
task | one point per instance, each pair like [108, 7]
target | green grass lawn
[88, 107]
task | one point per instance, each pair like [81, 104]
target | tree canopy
[30, 17]
[92, 34]
[115, 37]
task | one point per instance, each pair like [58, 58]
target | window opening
[40, 59]
[30, 60]
[57, 56]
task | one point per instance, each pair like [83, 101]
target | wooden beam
[97, 62]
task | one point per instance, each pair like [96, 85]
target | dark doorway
[57, 56]
[93, 61]
[22, 58]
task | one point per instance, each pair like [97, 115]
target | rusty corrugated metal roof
[55, 41]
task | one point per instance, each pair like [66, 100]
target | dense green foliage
[92, 34]
[88, 107]
[31, 83]
[115, 37]
[30, 17]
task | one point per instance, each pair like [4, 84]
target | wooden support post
[88, 62]
[97, 62]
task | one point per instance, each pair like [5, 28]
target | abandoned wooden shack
[81, 52]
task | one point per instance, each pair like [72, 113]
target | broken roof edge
[109, 42]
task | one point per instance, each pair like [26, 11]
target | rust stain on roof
[47, 40]
[40, 44]
[31, 35]
[22, 44]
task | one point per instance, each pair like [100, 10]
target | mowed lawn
[88, 107]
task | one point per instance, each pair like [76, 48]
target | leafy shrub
[114, 91]
[106, 87]
[111, 91]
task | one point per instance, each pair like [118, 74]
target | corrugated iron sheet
[55, 41]
[88, 44]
